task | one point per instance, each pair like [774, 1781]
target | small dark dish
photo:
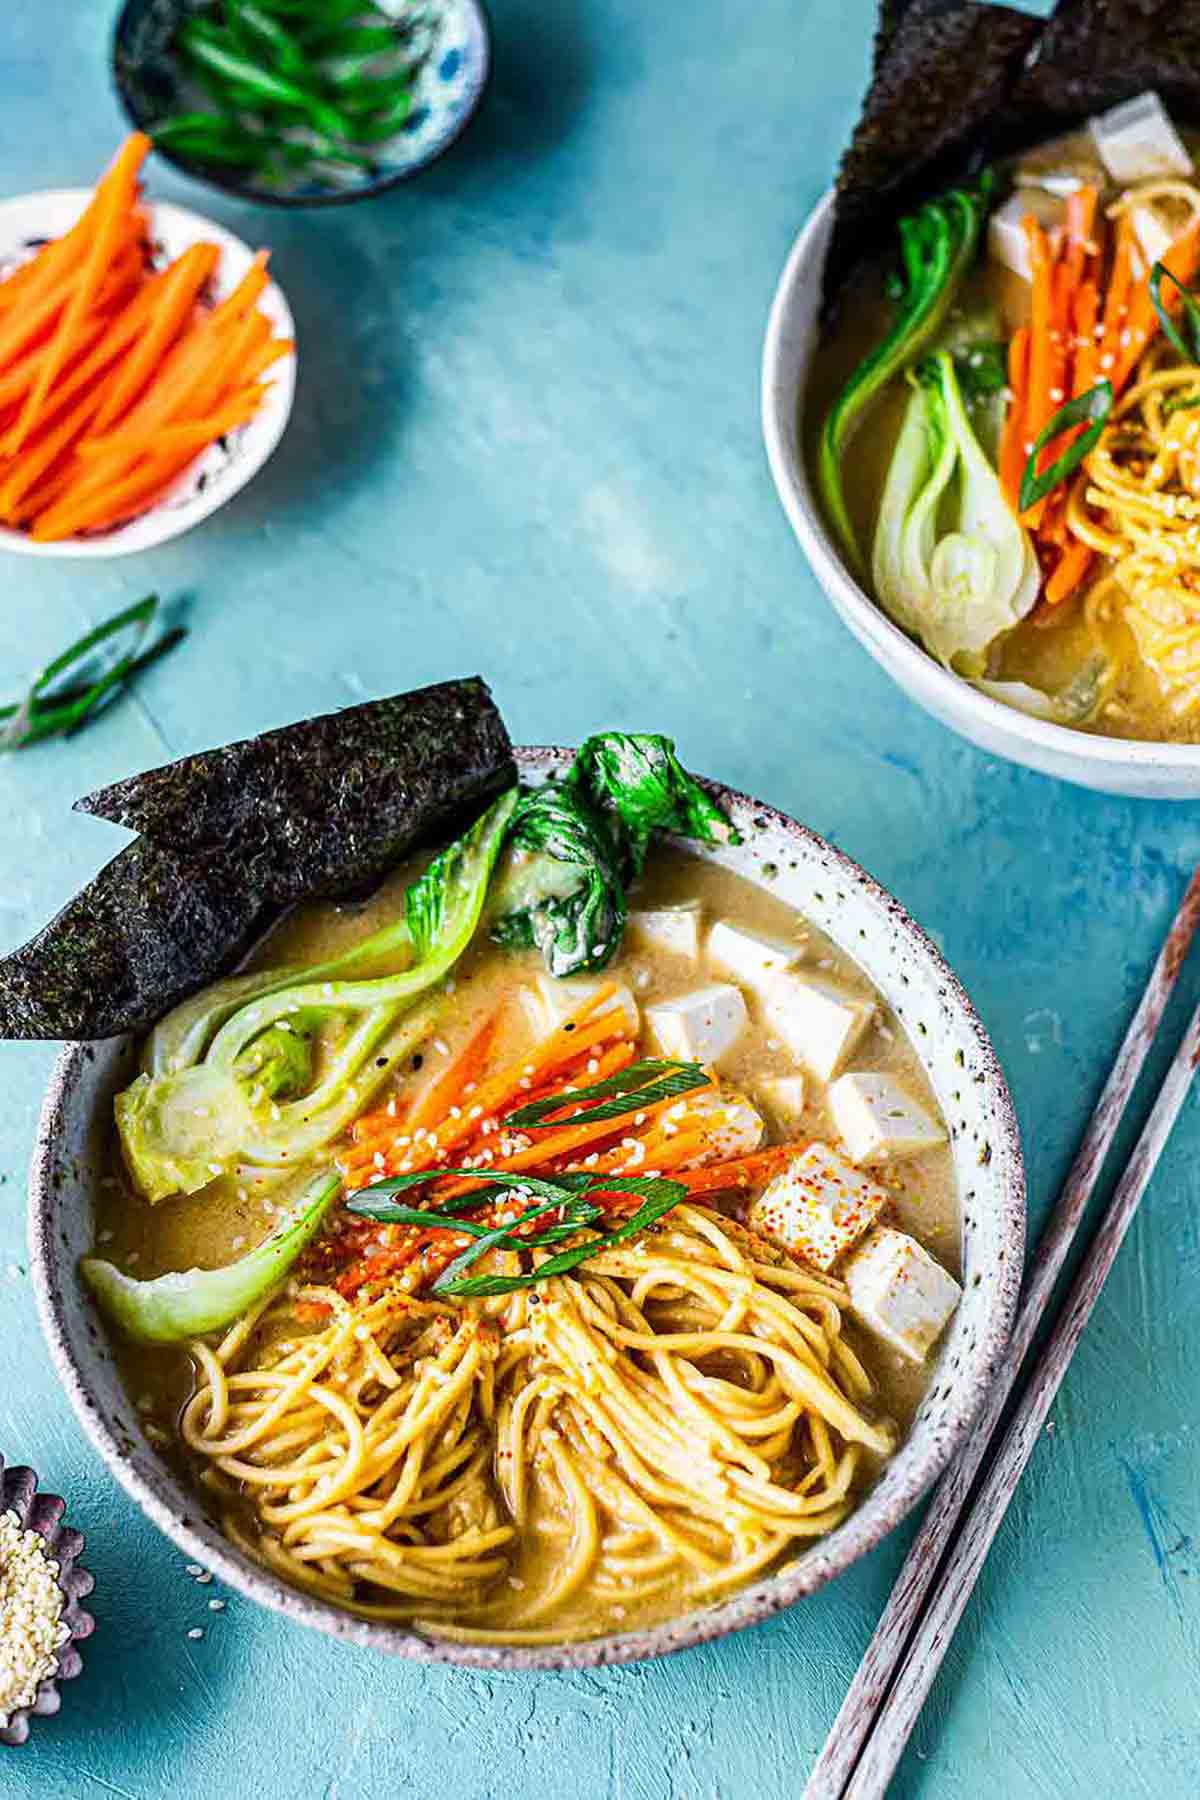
[447, 92]
[44, 1513]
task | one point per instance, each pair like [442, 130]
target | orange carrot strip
[1117, 296]
[1039, 407]
[115, 199]
[39, 457]
[184, 280]
[742, 1171]
[120, 501]
[446, 1090]
[1081, 223]
[1073, 565]
[562, 1045]
[1181, 260]
[1013, 455]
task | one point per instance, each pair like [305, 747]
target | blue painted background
[526, 442]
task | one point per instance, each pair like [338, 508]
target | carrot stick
[742, 1171]
[120, 500]
[1081, 222]
[1073, 565]
[114, 200]
[1013, 454]
[1039, 406]
[185, 278]
[1181, 260]
[1117, 296]
[447, 1090]
[40, 456]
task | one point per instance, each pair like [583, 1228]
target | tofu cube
[783, 1097]
[749, 958]
[877, 1121]
[818, 1207]
[819, 1022]
[900, 1293]
[702, 1026]
[1136, 141]
[549, 1001]
[1152, 234]
[675, 929]
[1006, 238]
[734, 1125]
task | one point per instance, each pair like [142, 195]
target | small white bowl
[218, 472]
[1114, 765]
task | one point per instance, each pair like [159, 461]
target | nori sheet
[150, 929]
[230, 838]
[957, 84]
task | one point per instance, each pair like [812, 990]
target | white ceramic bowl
[1114, 765]
[801, 869]
[225, 467]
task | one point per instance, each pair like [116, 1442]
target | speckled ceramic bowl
[456, 61]
[45, 1514]
[1114, 765]
[799, 868]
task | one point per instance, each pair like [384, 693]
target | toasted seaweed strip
[1093, 54]
[926, 120]
[231, 837]
[153, 926]
[326, 806]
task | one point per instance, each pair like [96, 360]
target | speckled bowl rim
[864, 1529]
[891, 647]
[228, 184]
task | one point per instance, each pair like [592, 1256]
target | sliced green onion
[1191, 312]
[661, 1196]
[640, 1084]
[1096, 405]
[48, 712]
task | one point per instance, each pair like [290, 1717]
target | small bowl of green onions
[302, 102]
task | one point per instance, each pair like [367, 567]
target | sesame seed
[195, 1633]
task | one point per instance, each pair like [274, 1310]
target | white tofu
[735, 1126]
[819, 1022]
[702, 1026]
[877, 1121]
[1152, 234]
[675, 929]
[783, 1096]
[818, 1207]
[1007, 243]
[749, 958]
[549, 1001]
[900, 1293]
[1136, 141]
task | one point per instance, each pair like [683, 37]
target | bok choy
[937, 247]
[578, 842]
[178, 1306]
[225, 1084]
[951, 561]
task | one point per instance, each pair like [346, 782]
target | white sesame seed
[195, 1633]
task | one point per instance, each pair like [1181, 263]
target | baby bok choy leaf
[183, 1305]
[252, 1094]
[577, 842]
[937, 247]
[951, 561]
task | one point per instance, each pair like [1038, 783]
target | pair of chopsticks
[939, 1574]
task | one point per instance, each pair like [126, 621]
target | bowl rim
[862, 1530]
[895, 647]
[272, 419]
[228, 184]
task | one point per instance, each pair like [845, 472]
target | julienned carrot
[114, 199]
[1117, 296]
[1080, 224]
[446, 1090]
[1072, 566]
[113, 505]
[39, 457]
[740, 1172]
[1013, 438]
[1039, 406]
[180, 290]
[1181, 261]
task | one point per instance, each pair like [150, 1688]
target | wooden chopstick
[899, 1713]
[863, 1707]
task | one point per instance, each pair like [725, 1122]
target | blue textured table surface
[526, 442]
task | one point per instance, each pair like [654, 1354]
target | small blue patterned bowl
[455, 47]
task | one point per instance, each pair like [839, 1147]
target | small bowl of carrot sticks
[147, 367]
[302, 102]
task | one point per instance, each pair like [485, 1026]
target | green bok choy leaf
[937, 247]
[951, 561]
[175, 1307]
